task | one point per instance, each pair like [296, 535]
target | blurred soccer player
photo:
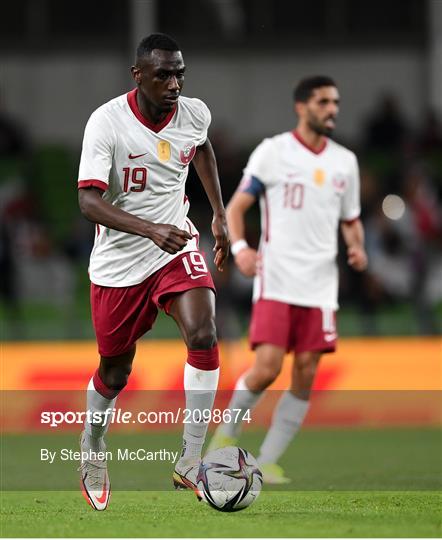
[134, 163]
[306, 184]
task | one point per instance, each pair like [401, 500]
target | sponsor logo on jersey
[187, 153]
[163, 151]
[319, 177]
[135, 156]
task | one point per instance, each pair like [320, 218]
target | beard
[319, 128]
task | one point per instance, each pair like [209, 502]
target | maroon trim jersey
[142, 169]
[303, 195]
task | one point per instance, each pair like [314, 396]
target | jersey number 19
[198, 264]
[137, 177]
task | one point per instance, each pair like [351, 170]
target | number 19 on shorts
[194, 263]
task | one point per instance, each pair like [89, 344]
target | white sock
[286, 422]
[94, 432]
[200, 387]
[243, 399]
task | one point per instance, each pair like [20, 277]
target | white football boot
[185, 473]
[95, 484]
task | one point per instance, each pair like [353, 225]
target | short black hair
[304, 89]
[156, 41]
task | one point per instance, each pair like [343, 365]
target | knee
[306, 367]
[202, 336]
[263, 378]
[269, 374]
[116, 378]
[115, 371]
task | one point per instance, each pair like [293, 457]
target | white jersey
[143, 170]
[303, 197]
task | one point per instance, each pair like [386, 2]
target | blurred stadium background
[59, 61]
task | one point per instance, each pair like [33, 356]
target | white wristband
[238, 246]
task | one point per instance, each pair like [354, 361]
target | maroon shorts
[293, 328]
[121, 315]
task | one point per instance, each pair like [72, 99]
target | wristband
[238, 246]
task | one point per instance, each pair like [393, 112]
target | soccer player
[134, 163]
[306, 184]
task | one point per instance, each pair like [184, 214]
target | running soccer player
[306, 184]
[134, 163]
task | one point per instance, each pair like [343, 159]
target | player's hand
[247, 261]
[357, 258]
[168, 237]
[221, 247]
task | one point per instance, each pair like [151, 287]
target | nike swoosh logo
[102, 498]
[131, 156]
[330, 337]
[197, 277]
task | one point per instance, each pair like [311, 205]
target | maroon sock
[101, 388]
[206, 359]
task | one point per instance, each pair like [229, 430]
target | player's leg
[248, 390]
[120, 315]
[304, 370]
[314, 332]
[194, 313]
[103, 389]
[269, 336]
[288, 416]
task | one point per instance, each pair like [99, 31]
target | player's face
[321, 110]
[160, 78]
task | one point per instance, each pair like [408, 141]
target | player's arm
[205, 165]
[168, 237]
[351, 226]
[353, 234]
[245, 257]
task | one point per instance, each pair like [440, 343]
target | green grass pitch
[346, 483]
[178, 514]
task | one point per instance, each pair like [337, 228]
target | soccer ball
[229, 479]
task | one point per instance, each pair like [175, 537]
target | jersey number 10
[293, 196]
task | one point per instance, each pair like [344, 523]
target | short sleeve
[205, 118]
[96, 154]
[350, 203]
[260, 164]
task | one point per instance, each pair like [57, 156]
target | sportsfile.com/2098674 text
[118, 416]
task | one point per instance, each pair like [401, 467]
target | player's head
[159, 71]
[317, 103]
